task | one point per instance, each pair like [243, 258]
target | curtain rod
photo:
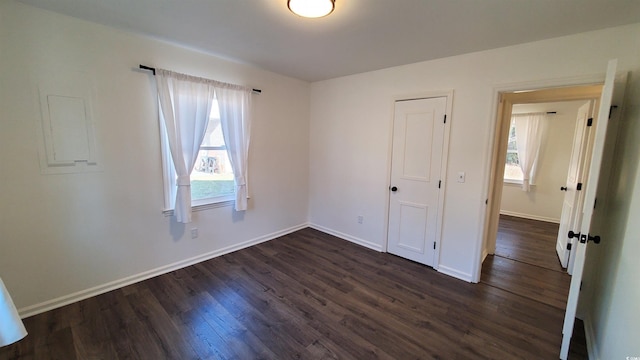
[548, 113]
[153, 70]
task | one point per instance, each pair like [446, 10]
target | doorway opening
[570, 156]
[534, 219]
[538, 274]
[509, 100]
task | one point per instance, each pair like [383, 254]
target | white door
[574, 177]
[589, 189]
[418, 140]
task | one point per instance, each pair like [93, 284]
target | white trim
[590, 335]
[455, 273]
[513, 182]
[202, 207]
[353, 239]
[116, 284]
[529, 216]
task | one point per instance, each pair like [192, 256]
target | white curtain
[235, 118]
[185, 105]
[529, 128]
[11, 326]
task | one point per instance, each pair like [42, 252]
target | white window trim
[195, 208]
[512, 181]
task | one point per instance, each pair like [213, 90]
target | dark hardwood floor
[307, 295]
[526, 264]
[528, 241]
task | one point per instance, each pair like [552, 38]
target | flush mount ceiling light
[311, 8]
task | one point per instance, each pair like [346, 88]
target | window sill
[196, 208]
[512, 182]
[515, 183]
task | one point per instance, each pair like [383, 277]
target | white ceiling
[360, 35]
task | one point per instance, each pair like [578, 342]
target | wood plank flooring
[307, 295]
[529, 241]
[526, 264]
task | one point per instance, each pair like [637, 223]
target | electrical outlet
[194, 233]
[360, 219]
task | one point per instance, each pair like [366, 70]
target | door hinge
[580, 285]
[445, 118]
[569, 246]
[439, 183]
[434, 245]
[595, 201]
[579, 186]
[590, 122]
[611, 110]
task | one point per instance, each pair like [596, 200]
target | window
[212, 180]
[512, 170]
[212, 174]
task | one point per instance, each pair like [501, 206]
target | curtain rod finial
[144, 67]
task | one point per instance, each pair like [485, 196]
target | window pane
[512, 158]
[512, 170]
[512, 138]
[212, 175]
[213, 135]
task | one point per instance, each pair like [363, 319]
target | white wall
[351, 133]
[544, 200]
[62, 234]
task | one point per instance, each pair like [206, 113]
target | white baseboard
[113, 285]
[592, 346]
[529, 216]
[455, 273]
[353, 239]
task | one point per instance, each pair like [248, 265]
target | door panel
[585, 219]
[563, 239]
[571, 197]
[413, 227]
[418, 138]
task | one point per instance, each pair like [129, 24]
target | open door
[583, 236]
[571, 206]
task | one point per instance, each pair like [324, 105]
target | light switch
[461, 177]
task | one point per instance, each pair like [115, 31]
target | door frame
[540, 91]
[448, 94]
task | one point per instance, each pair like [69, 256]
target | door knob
[394, 189]
[573, 235]
[595, 239]
[584, 238]
[563, 188]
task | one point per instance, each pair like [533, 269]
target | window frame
[169, 180]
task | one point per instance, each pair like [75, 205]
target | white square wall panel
[66, 131]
